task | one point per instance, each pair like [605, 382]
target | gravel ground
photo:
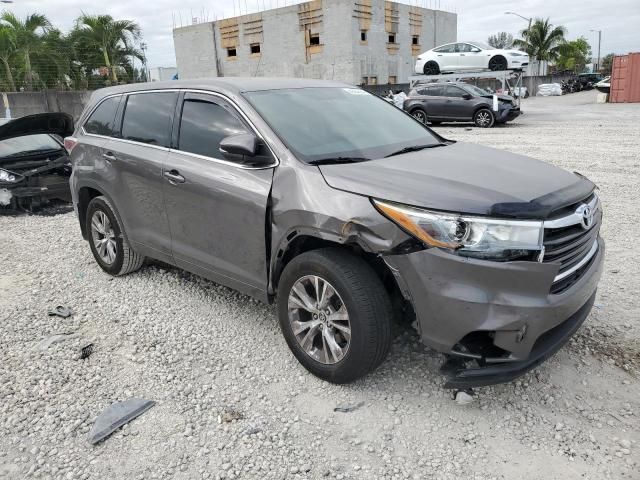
[232, 402]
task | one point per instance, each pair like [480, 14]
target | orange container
[625, 79]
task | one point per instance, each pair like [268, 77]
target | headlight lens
[478, 237]
[516, 54]
[8, 177]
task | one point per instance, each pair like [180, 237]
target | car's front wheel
[431, 68]
[109, 246]
[497, 63]
[335, 314]
[484, 118]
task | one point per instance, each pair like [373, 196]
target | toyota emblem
[587, 217]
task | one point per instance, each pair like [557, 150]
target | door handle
[462, 54]
[110, 157]
[173, 176]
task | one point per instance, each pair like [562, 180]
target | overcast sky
[619, 20]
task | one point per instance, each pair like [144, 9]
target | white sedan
[469, 56]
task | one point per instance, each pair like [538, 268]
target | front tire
[484, 118]
[498, 63]
[431, 68]
[109, 246]
[334, 314]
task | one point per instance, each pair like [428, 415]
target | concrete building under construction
[354, 41]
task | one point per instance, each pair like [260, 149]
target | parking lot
[232, 402]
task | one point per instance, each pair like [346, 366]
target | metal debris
[60, 311]
[116, 415]
[348, 408]
[86, 351]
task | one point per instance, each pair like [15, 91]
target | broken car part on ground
[34, 164]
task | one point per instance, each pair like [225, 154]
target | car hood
[464, 178]
[52, 123]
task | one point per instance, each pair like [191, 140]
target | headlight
[9, 177]
[478, 237]
[517, 54]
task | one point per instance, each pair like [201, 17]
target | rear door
[456, 107]
[133, 163]
[434, 101]
[217, 208]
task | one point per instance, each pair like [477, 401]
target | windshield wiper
[415, 148]
[337, 160]
[27, 153]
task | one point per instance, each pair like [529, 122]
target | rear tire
[498, 63]
[109, 246]
[484, 118]
[431, 68]
[360, 304]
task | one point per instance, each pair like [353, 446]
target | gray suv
[346, 212]
[459, 102]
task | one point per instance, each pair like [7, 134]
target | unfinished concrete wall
[29, 103]
[317, 39]
[195, 51]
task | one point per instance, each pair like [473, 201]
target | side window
[463, 47]
[148, 117]
[101, 120]
[203, 126]
[446, 48]
[434, 91]
[452, 91]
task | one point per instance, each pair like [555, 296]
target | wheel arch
[86, 193]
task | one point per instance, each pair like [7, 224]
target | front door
[456, 106]
[217, 208]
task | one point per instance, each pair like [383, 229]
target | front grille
[569, 243]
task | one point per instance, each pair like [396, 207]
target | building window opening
[415, 40]
[393, 80]
[363, 35]
[231, 52]
[314, 39]
[255, 48]
[392, 38]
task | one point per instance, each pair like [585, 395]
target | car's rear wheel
[109, 246]
[335, 314]
[431, 68]
[484, 118]
[497, 63]
[420, 115]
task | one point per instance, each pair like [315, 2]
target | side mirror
[467, 96]
[475, 50]
[245, 144]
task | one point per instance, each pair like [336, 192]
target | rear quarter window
[100, 122]
[148, 118]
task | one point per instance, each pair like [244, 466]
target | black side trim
[547, 345]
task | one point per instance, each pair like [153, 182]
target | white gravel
[232, 402]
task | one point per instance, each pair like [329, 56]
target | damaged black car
[34, 164]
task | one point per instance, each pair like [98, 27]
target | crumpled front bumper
[508, 305]
[507, 114]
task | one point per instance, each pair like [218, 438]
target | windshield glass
[331, 122]
[482, 45]
[28, 143]
[472, 89]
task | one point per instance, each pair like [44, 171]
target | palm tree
[542, 41]
[112, 38]
[28, 39]
[7, 51]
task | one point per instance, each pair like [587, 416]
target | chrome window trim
[575, 218]
[182, 152]
[580, 264]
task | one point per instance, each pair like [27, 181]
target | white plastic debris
[463, 398]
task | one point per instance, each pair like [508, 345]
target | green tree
[500, 40]
[28, 35]
[607, 64]
[542, 41]
[114, 39]
[574, 55]
[7, 51]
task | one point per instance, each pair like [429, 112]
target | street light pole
[599, 41]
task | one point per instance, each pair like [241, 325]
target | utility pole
[599, 41]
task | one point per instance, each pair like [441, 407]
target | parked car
[34, 165]
[458, 102]
[588, 80]
[346, 212]
[604, 85]
[453, 57]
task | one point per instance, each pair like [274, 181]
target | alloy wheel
[483, 119]
[420, 116]
[103, 236]
[319, 319]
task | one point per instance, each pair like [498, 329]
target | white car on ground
[468, 56]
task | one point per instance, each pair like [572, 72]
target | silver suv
[348, 213]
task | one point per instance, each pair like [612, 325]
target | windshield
[472, 89]
[336, 122]
[482, 45]
[28, 143]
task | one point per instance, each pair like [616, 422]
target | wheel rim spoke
[104, 238]
[319, 319]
